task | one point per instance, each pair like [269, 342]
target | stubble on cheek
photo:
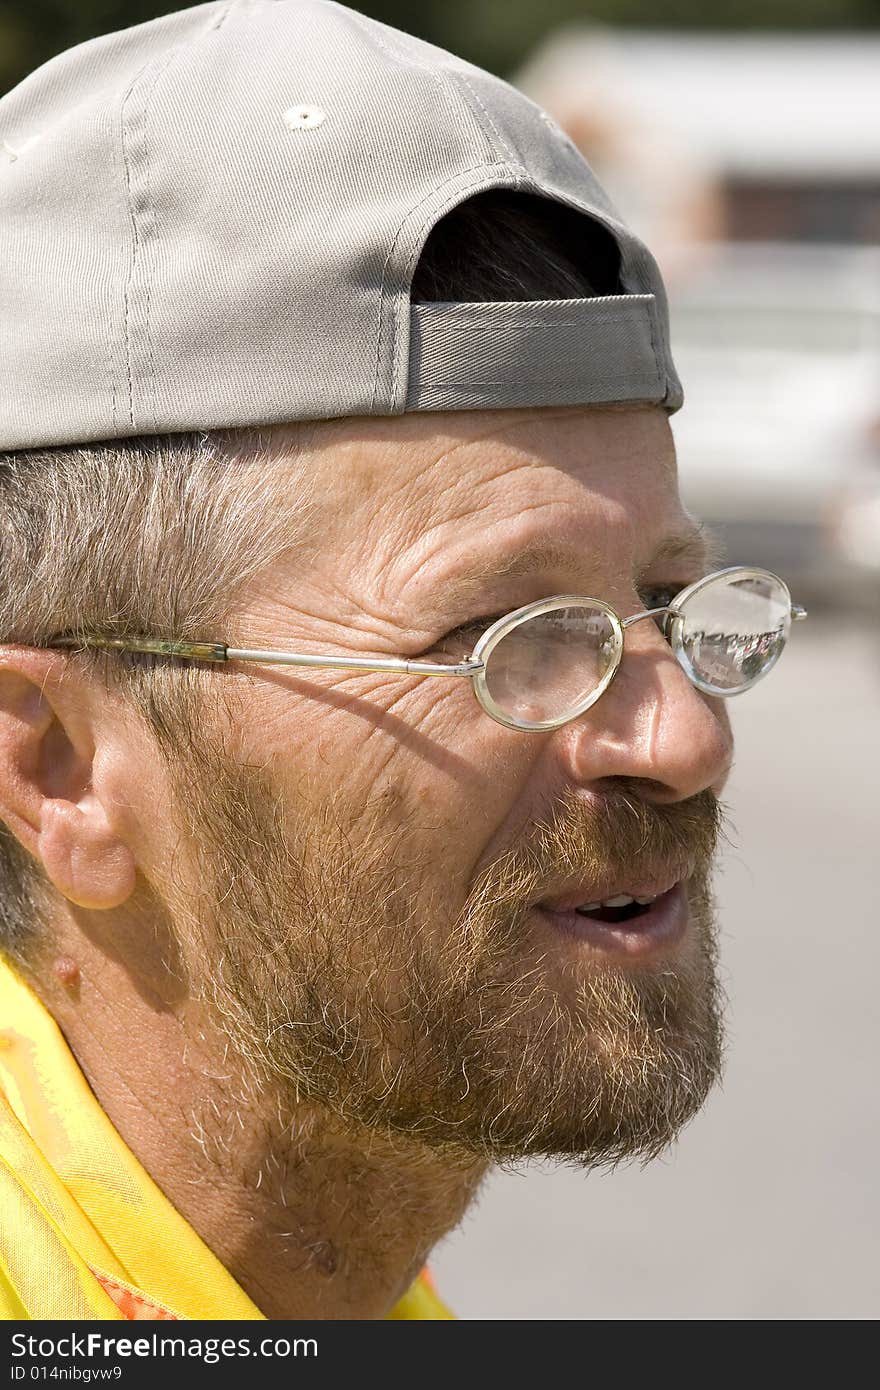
[339, 961]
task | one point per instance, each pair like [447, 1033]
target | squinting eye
[461, 640]
[660, 595]
[465, 637]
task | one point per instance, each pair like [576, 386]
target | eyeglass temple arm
[346, 663]
[219, 652]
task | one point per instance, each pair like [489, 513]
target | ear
[49, 733]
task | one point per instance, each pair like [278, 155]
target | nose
[652, 725]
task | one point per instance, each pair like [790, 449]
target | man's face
[380, 866]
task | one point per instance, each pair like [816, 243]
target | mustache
[612, 835]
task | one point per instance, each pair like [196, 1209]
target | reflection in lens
[550, 665]
[733, 630]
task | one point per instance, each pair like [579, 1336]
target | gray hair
[161, 535]
[157, 535]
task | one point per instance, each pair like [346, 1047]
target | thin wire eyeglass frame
[474, 666]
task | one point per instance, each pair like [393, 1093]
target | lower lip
[662, 926]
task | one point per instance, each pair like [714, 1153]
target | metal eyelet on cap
[303, 117]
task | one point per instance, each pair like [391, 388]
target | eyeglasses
[546, 663]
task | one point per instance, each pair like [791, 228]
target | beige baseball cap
[213, 219]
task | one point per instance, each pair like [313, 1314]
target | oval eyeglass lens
[550, 666]
[733, 631]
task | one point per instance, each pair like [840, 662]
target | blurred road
[768, 1208]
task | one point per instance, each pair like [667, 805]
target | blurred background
[742, 141]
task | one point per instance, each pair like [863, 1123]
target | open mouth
[615, 911]
[633, 926]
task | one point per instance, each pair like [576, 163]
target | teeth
[622, 900]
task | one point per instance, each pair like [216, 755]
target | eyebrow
[699, 546]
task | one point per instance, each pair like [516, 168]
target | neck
[314, 1218]
[322, 1220]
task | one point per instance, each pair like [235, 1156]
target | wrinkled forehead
[453, 477]
[424, 515]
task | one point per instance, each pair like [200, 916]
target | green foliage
[498, 34]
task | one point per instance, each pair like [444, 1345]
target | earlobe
[86, 862]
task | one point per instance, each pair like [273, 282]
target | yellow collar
[87, 1233]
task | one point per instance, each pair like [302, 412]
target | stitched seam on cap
[151, 213]
[624, 310]
[600, 320]
[135, 252]
[388, 45]
[435, 214]
[143, 74]
[652, 329]
[452, 97]
[455, 396]
[500, 315]
[455, 102]
[508, 153]
[432, 219]
[120, 175]
[221, 19]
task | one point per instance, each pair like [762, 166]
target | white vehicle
[778, 347]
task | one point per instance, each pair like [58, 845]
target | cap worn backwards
[212, 220]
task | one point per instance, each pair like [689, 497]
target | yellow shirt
[84, 1231]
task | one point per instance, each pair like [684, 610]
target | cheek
[422, 759]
